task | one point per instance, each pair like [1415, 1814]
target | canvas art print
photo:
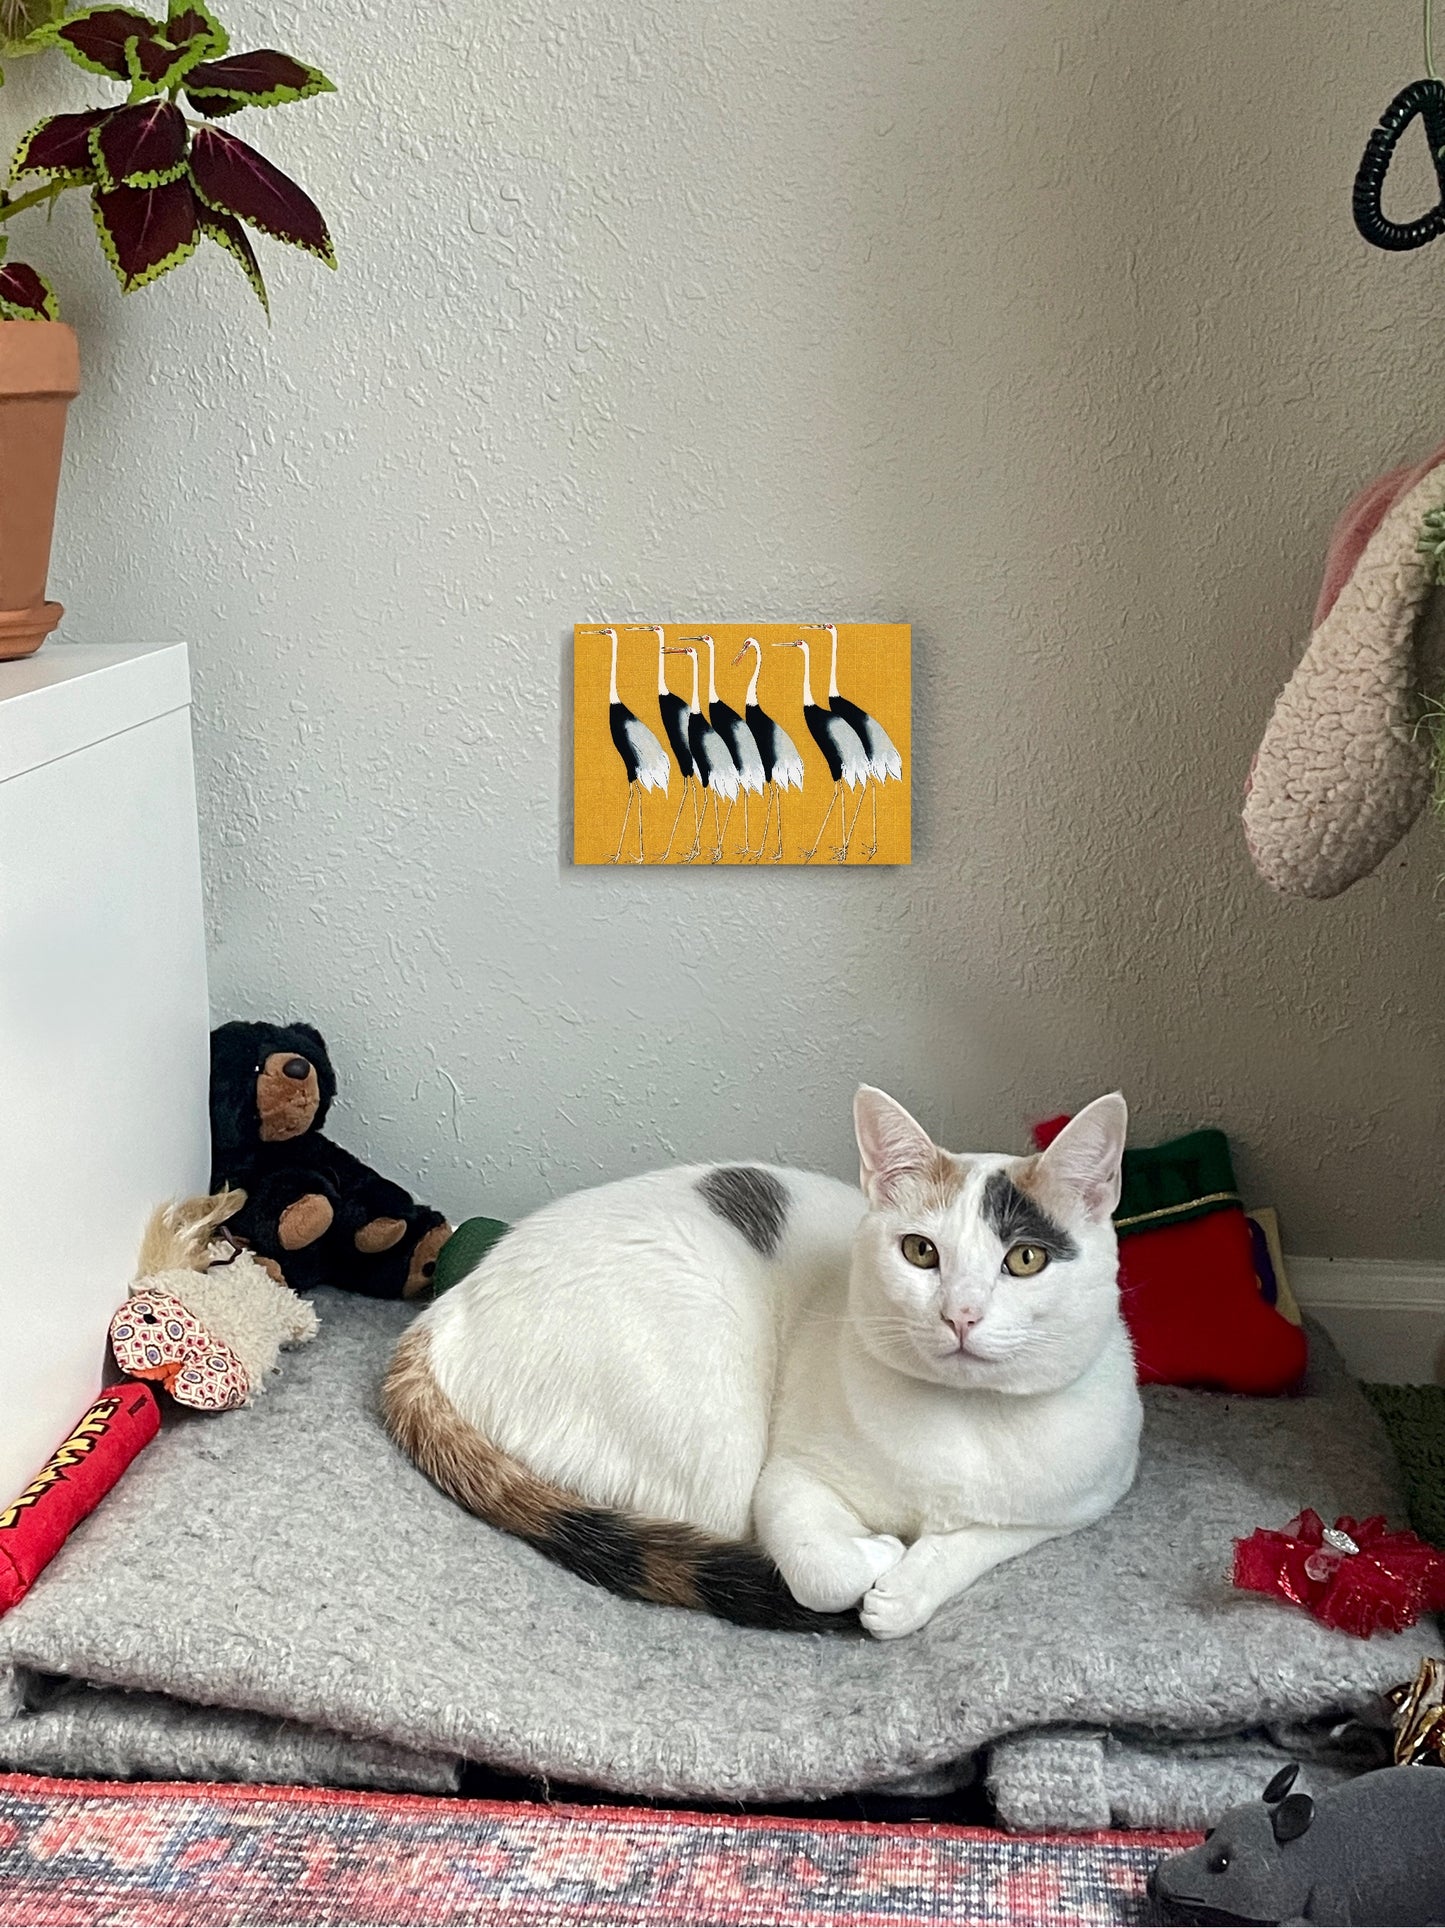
[743, 743]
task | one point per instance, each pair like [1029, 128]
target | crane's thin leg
[626, 816]
[778, 853]
[845, 830]
[641, 857]
[681, 806]
[848, 836]
[770, 797]
[720, 826]
[811, 853]
[870, 850]
[745, 855]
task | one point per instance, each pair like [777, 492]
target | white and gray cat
[762, 1393]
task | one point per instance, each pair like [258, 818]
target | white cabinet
[103, 1012]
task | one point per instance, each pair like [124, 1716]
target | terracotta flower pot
[39, 374]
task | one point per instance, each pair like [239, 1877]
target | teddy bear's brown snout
[287, 1096]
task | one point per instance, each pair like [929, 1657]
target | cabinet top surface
[59, 663]
[70, 695]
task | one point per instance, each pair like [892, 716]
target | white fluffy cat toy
[762, 1393]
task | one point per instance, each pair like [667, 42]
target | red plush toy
[73, 1482]
[1187, 1281]
[1355, 1575]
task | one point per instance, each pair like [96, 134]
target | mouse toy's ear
[1292, 1817]
[1282, 1783]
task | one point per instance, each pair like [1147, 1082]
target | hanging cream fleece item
[1343, 770]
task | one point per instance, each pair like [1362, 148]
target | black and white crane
[885, 765]
[676, 722]
[843, 753]
[712, 760]
[742, 745]
[782, 765]
[643, 757]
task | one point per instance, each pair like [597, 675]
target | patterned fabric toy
[1343, 770]
[205, 1320]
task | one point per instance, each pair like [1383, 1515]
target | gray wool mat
[277, 1594]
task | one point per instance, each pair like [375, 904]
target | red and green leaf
[232, 178]
[228, 233]
[155, 64]
[60, 146]
[96, 38]
[189, 21]
[261, 79]
[215, 106]
[140, 146]
[26, 295]
[146, 231]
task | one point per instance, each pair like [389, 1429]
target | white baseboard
[1386, 1315]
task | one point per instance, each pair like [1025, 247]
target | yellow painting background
[873, 672]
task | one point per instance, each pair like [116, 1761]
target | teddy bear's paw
[304, 1221]
[424, 1260]
[380, 1234]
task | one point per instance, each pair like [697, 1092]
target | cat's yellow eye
[920, 1251]
[1025, 1261]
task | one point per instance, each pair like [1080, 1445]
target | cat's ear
[892, 1145]
[1087, 1154]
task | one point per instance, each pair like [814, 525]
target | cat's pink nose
[960, 1324]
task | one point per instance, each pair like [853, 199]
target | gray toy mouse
[1368, 1854]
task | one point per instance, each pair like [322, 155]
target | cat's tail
[657, 1560]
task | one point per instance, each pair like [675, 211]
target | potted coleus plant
[161, 182]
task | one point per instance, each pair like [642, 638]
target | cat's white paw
[829, 1576]
[883, 1551]
[897, 1604]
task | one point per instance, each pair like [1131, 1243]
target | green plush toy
[464, 1252]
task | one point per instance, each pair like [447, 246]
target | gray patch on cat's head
[1021, 1220]
[753, 1202]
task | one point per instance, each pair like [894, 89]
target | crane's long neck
[661, 667]
[807, 687]
[833, 671]
[750, 700]
[711, 678]
[612, 695]
[693, 654]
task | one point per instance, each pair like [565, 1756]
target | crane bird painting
[843, 752]
[742, 747]
[713, 761]
[885, 765]
[643, 757]
[782, 766]
[671, 760]
[677, 722]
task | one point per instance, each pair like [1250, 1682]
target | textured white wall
[1044, 327]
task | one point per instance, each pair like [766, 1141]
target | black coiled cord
[1427, 99]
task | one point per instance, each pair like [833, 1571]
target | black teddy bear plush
[316, 1210]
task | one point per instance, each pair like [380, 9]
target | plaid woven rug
[156, 1855]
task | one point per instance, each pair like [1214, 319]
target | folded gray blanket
[276, 1593]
